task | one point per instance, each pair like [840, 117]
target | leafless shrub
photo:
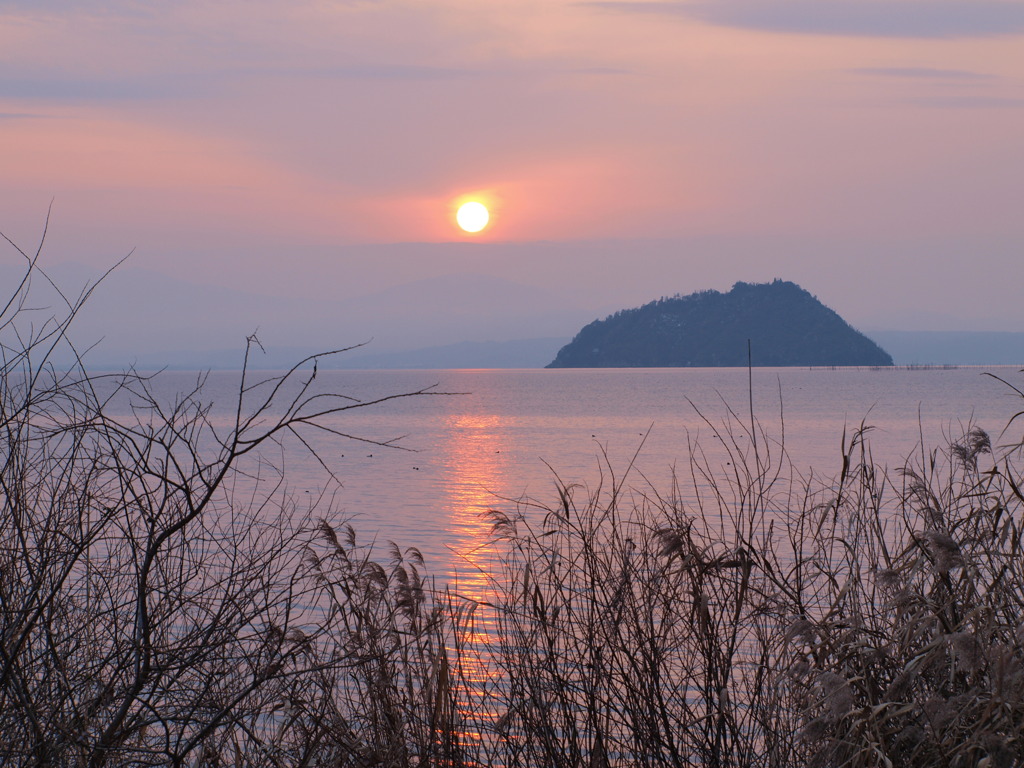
[162, 597]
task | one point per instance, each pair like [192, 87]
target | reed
[868, 619]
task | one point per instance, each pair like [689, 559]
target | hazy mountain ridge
[952, 347]
[137, 316]
[784, 324]
[517, 353]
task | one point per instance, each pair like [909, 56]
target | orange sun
[472, 216]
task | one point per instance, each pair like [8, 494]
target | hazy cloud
[871, 18]
[94, 8]
[21, 116]
[925, 73]
[601, 71]
[970, 102]
[65, 89]
[401, 72]
[390, 72]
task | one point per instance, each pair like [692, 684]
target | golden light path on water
[476, 470]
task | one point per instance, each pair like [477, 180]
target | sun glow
[472, 216]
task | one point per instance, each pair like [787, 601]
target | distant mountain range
[767, 324]
[139, 317]
[952, 347]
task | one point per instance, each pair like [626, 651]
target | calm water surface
[510, 431]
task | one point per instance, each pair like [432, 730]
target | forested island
[784, 324]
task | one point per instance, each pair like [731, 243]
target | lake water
[510, 431]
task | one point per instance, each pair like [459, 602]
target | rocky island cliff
[785, 325]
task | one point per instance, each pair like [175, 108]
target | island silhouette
[763, 324]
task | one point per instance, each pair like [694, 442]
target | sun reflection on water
[475, 467]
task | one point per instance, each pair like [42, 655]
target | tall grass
[873, 618]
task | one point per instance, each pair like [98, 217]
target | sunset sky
[870, 150]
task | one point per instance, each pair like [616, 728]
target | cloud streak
[935, 19]
[970, 102]
[71, 89]
[22, 116]
[926, 73]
